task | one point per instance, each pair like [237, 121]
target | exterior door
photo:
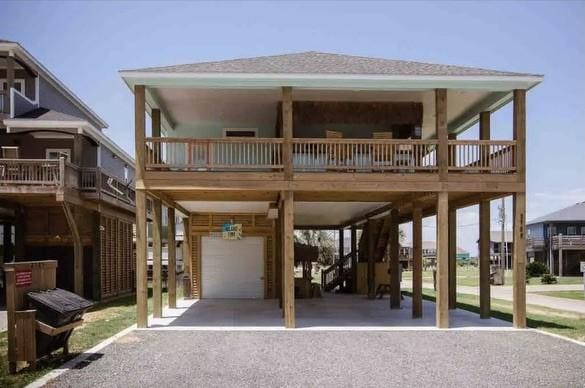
[232, 269]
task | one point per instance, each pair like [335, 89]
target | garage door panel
[232, 268]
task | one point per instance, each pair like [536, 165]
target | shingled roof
[575, 212]
[313, 62]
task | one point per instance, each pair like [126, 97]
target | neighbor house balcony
[560, 241]
[327, 155]
[57, 176]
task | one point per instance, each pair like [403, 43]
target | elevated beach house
[255, 148]
[66, 189]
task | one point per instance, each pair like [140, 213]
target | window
[10, 152]
[583, 230]
[18, 85]
[240, 132]
[571, 230]
[57, 153]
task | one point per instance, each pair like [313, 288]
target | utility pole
[503, 256]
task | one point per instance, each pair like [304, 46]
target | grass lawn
[578, 295]
[564, 323]
[469, 276]
[101, 322]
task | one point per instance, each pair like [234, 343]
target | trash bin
[56, 308]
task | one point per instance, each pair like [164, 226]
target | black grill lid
[59, 300]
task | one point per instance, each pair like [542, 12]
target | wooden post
[519, 267]
[279, 254]
[442, 298]
[369, 229]
[289, 260]
[172, 259]
[341, 255]
[77, 150]
[560, 254]
[77, 249]
[287, 131]
[354, 263]
[141, 237]
[156, 259]
[417, 269]
[452, 259]
[96, 248]
[484, 230]
[187, 291]
[441, 130]
[395, 270]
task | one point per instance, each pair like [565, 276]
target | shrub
[548, 279]
[536, 269]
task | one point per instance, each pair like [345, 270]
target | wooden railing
[214, 154]
[364, 155]
[495, 156]
[39, 172]
[321, 155]
[96, 180]
[535, 243]
[333, 275]
[568, 241]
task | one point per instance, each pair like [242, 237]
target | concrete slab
[331, 311]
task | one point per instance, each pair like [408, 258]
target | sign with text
[231, 231]
[23, 278]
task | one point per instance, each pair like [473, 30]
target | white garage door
[232, 268]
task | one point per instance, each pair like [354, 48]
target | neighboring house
[331, 141]
[66, 189]
[558, 240]
[496, 245]
[429, 254]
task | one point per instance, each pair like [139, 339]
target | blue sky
[85, 44]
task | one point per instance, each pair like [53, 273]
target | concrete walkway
[505, 293]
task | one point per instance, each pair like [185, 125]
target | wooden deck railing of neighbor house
[568, 241]
[34, 172]
[496, 156]
[534, 242]
[319, 155]
[96, 180]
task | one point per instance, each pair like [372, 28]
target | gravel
[332, 359]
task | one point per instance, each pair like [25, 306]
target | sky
[85, 44]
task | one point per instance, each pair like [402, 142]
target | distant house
[558, 240]
[496, 248]
[429, 253]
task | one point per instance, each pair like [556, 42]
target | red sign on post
[23, 278]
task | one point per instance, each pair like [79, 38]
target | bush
[536, 269]
[548, 279]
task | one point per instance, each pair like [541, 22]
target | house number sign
[231, 231]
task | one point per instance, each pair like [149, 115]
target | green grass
[560, 322]
[577, 295]
[101, 322]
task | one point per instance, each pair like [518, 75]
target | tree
[320, 238]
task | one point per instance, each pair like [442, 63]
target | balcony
[38, 176]
[568, 242]
[535, 244]
[327, 155]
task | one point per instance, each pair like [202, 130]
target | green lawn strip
[577, 294]
[101, 322]
[560, 322]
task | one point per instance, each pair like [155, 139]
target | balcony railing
[95, 180]
[535, 243]
[570, 241]
[318, 155]
[34, 172]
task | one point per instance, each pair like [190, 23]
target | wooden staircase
[338, 274]
[379, 230]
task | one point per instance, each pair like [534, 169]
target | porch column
[560, 254]
[287, 131]
[441, 131]
[288, 260]
[156, 229]
[341, 254]
[442, 297]
[279, 254]
[186, 258]
[354, 262]
[395, 270]
[452, 259]
[417, 270]
[77, 150]
[141, 238]
[519, 267]
[369, 228]
[172, 259]
[484, 230]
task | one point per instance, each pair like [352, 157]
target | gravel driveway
[332, 359]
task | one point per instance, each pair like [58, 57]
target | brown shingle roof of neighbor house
[313, 62]
[575, 212]
[45, 114]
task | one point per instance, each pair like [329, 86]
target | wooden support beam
[288, 260]
[172, 259]
[187, 263]
[442, 298]
[484, 260]
[156, 259]
[96, 250]
[395, 270]
[452, 259]
[519, 129]
[366, 216]
[279, 255]
[369, 229]
[354, 258]
[417, 265]
[139, 131]
[287, 131]
[77, 249]
[441, 131]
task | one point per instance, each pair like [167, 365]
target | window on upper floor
[571, 230]
[240, 132]
[10, 152]
[126, 173]
[583, 230]
[18, 84]
[57, 153]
